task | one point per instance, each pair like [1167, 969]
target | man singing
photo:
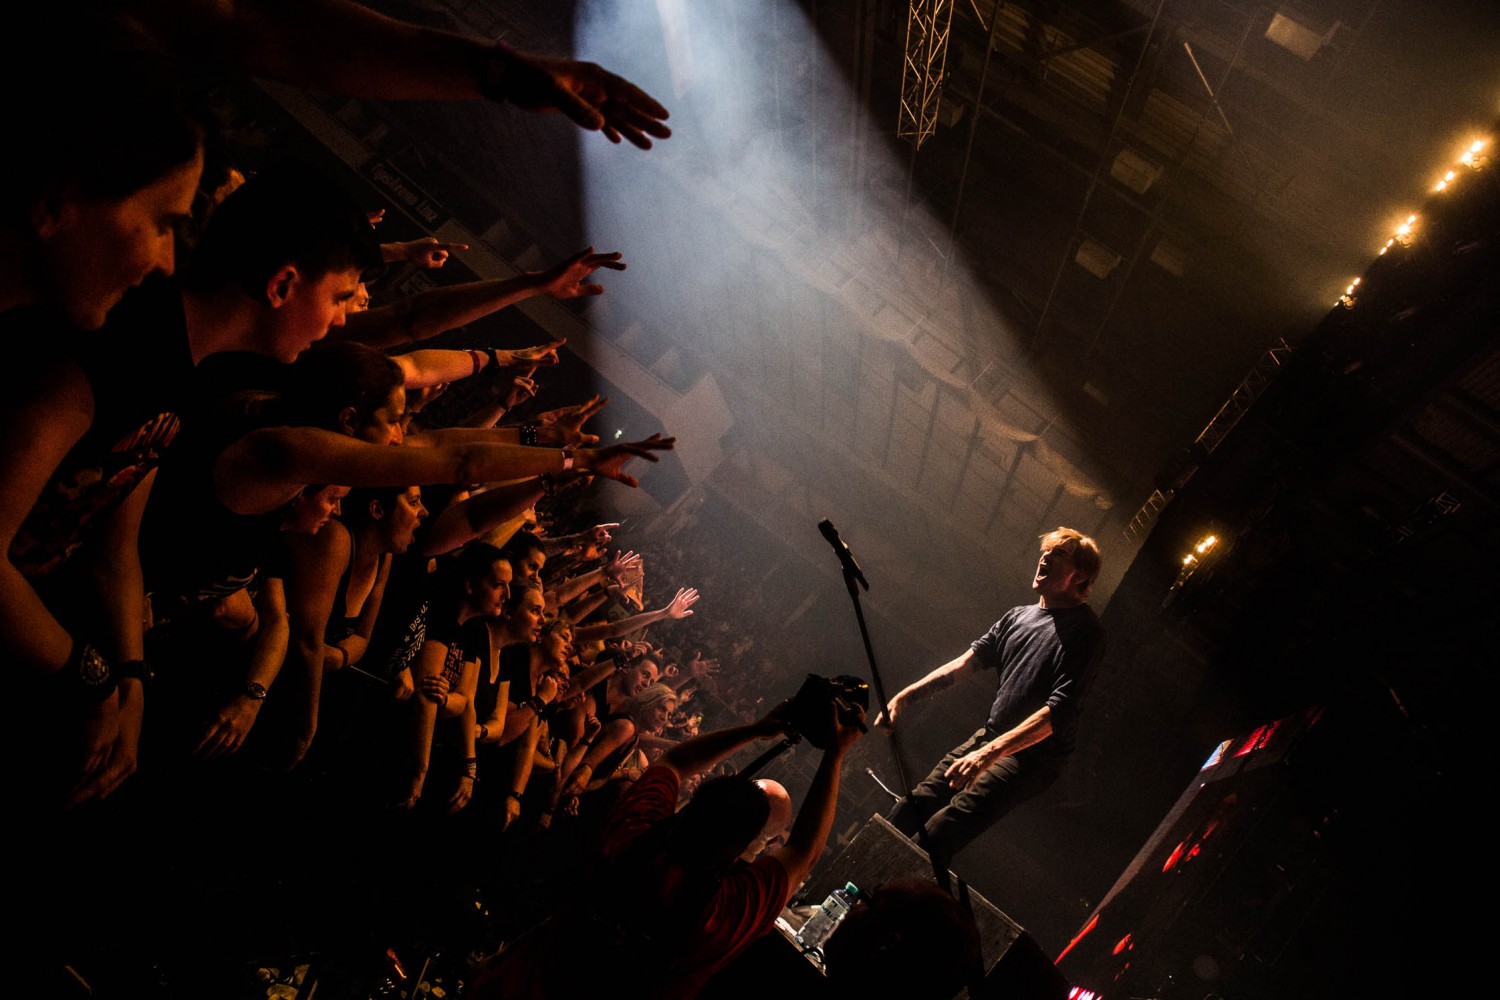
[1042, 655]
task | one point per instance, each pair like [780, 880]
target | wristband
[138, 669]
[484, 733]
[476, 358]
[528, 432]
[567, 460]
[495, 362]
[513, 794]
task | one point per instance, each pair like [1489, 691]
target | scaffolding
[927, 30]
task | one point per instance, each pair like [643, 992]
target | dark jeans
[951, 819]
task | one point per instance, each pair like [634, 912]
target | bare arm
[702, 752]
[121, 590]
[420, 369]
[225, 732]
[344, 48]
[317, 562]
[469, 519]
[943, 677]
[38, 434]
[437, 310]
[263, 469]
[351, 649]
[1028, 732]
[680, 607]
[809, 834]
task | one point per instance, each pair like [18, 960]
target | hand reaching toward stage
[593, 97]
[569, 279]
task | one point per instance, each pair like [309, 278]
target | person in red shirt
[672, 901]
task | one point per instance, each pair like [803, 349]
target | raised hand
[621, 566]
[569, 279]
[682, 603]
[610, 462]
[565, 425]
[590, 95]
[699, 667]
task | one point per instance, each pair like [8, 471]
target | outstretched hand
[610, 462]
[593, 97]
[537, 354]
[567, 422]
[569, 279]
[682, 604]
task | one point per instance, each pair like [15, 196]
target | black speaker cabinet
[1015, 966]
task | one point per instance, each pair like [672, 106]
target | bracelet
[495, 362]
[567, 459]
[476, 357]
[528, 432]
[513, 794]
[255, 691]
[138, 669]
[484, 733]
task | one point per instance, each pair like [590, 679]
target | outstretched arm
[437, 310]
[344, 48]
[943, 677]
[703, 752]
[264, 469]
[680, 607]
[809, 834]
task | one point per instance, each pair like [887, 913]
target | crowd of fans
[296, 668]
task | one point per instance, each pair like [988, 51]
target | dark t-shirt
[137, 366]
[1042, 657]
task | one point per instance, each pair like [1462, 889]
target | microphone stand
[851, 581]
[852, 578]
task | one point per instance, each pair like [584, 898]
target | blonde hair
[651, 697]
[1080, 548]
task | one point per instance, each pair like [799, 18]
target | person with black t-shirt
[1042, 655]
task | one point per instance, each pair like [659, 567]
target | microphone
[845, 557]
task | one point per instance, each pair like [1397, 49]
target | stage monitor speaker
[1015, 966]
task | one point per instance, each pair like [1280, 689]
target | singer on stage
[1042, 655]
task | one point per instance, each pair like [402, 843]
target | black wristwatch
[255, 691]
[89, 673]
[141, 670]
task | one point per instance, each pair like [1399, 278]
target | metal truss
[927, 29]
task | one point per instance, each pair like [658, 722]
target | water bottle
[820, 925]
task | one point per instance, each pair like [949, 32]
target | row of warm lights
[1201, 549]
[1470, 158]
